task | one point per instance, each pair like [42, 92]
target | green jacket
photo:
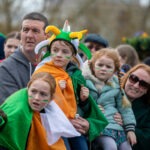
[16, 107]
[94, 116]
[142, 114]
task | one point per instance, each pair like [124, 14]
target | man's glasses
[142, 84]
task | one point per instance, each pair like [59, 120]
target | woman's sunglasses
[142, 84]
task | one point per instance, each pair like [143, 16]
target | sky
[144, 2]
[37, 2]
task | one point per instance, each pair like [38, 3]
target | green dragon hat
[72, 37]
[65, 34]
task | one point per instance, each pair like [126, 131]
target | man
[94, 42]
[16, 70]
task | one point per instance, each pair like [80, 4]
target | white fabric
[45, 60]
[75, 42]
[40, 45]
[56, 124]
[80, 60]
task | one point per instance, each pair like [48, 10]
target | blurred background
[116, 20]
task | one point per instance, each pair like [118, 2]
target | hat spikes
[66, 27]
[54, 29]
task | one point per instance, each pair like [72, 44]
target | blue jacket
[110, 97]
[15, 73]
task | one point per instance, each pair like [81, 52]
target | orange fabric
[37, 137]
[66, 98]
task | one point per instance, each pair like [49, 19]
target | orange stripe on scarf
[66, 98]
[37, 137]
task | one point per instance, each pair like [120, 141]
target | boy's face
[61, 54]
[39, 95]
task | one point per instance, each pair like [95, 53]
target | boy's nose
[59, 54]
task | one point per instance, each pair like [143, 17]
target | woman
[136, 84]
[11, 43]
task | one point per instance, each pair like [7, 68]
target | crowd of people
[86, 95]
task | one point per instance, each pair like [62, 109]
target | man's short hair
[36, 16]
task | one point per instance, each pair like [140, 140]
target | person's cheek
[126, 89]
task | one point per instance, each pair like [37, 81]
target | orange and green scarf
[65, 98]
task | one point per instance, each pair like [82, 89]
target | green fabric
[66, 37]
[85, 50]
[2, 35]
[142, 114]
[14, 134]
[96, 119]
[47, 54]
[94, 116]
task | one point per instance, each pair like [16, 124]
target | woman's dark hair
[13, 35]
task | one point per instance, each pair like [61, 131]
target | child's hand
[101, 108]
[62, 84]
[84, 93]
[118, 118]
[131, 137]
[81, 125]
